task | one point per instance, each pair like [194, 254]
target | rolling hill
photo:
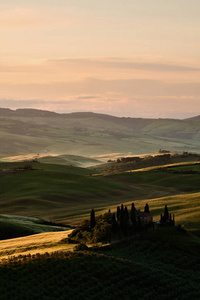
[158, 264]
[89, 134]
[66, 194]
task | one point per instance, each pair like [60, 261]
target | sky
[125, 58]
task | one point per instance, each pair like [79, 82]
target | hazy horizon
[91, 112]
[132, 59]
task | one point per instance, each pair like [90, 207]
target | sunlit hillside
[32, 244]
[66, 194]
[34, 131]
[38, 193]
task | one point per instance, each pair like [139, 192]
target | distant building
[144, 217]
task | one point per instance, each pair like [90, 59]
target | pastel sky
[126, 58]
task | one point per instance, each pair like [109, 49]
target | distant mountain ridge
[88, 133]
[46, 113]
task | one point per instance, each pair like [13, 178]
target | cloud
[126, 64]
[132, 98]
[93, 86]
[86, 97]
[105, 85]
[117, 74]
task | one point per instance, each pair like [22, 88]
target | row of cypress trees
[123, 223]
[167, 219]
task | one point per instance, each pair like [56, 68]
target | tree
[118, 213]
[166, 213]
[126, 215]
[132, 212]
[114, 224]
[170, 219]
[146, 209]
[126, 222]
[139, 223]
[173, 222]
[133, 218]
[92, 219]
[121, 218]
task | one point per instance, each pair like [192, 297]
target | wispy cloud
[139, 98]
[94, 86]
[124, 107]
[127, 64]
[101, 72]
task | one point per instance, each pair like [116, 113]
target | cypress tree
[133, 218]
[146, 209]
[92, 219]
[133, 213]
[121, 220]
[114, 224]
[166, 213]
[118, 213]
[133, 207]
[126, 224]
[170, 219]
[126, 215]
[139, 223]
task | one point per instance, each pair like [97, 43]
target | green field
[160, 264]
[12, 226]
[67, 194]
[95, 206]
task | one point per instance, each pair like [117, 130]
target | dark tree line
[92, 219]
[123, 222]
[167, 219]
[119, 224]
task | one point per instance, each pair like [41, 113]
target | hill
[159, 264]
[124, 164]
[66, 194]
[89, 134]
[156, 265]
[66, 159]
[12, 226]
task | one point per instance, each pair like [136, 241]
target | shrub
[81, 247]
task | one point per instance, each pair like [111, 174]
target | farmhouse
[144, 217]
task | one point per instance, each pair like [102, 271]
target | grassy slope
[157, 265]
[67, 194]
[147, 162]
[73, 160]
[41, 242]
[65, 159]
[12, 226]
[52, 191]
[93, 134]
[163, 264]
[186, 209]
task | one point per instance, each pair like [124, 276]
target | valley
[56, 168]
